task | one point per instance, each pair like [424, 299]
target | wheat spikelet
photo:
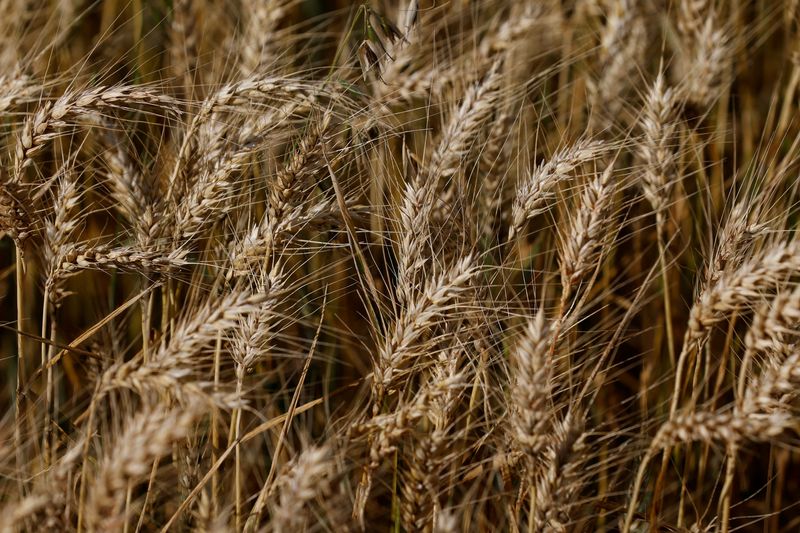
[259, 46]
[530, 419]
[148, 436]
[477, 106]
[711, 51]
[413, 253]
[59, 230]
[558, 485]
[622, 46]
[656, 148]
[432, 449]
[183, 44]
[75, 107]
[130, 188]
[735, 241]
[736, 288]
[303, 481]
[15, 217]
[494, 165]
[75, 257]
[175, 360]
[49, 503]
[588, 229]
[725, 427]
[290, 183]
[256, 330]
[16, 89]
[517, 26]
[386, 431]
[537, 190]
[439, 295]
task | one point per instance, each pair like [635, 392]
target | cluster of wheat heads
[287, 265]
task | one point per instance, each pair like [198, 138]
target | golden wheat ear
[407, 265]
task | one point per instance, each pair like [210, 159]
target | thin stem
[150, 483]
[128, 498]
[637, 486]
[51, 410]
[725, 499]
[48, 398]
[85, 463]
[18, 405]
[236, 427]
[147, 316]
[214, 429]
[665, 288]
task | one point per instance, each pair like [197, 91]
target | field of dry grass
[400, 265]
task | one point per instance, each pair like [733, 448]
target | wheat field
[400, 265]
